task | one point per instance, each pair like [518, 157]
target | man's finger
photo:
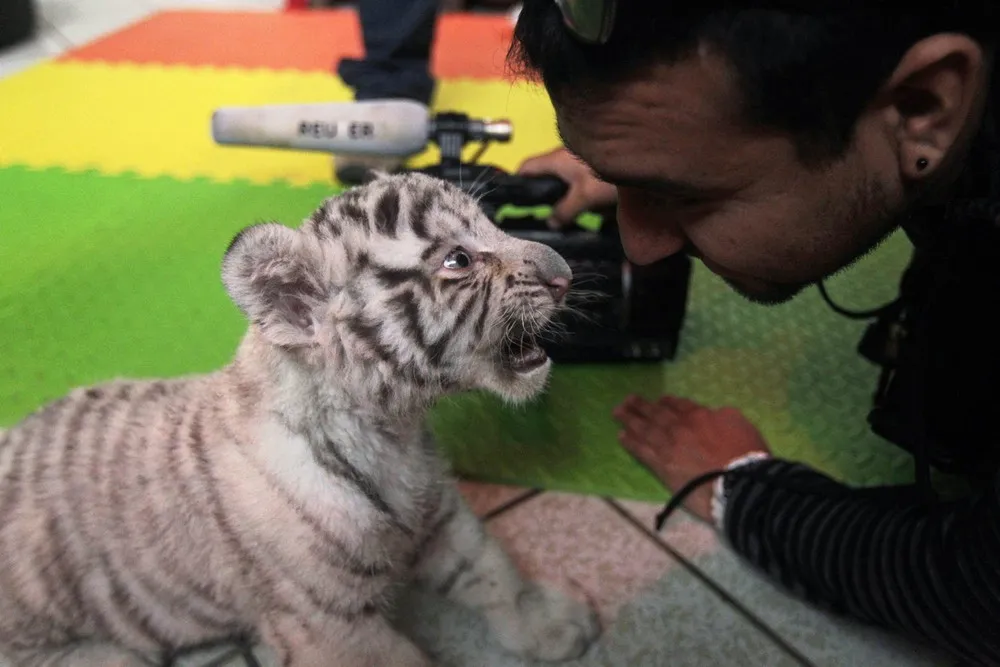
[635, 445]
[644, 409]
[566, 210]
[626, 403]
[631, 398]
[547, 164]
[535, 166]
[630, 416]
[678, 404]
[644, 453]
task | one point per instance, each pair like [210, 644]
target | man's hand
[585, 193]
[678, 440]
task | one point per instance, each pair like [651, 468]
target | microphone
[385, 127]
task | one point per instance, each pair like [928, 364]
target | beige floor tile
[581, 545]
[826, 640]
[655, 611]
[484, 498]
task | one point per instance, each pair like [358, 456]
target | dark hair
[808, 72]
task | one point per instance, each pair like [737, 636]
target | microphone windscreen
[371, 127]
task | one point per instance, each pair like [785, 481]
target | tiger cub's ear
[276, 276]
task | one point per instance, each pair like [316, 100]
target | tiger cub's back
[102, 517]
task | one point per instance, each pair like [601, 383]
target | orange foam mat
[466, 45]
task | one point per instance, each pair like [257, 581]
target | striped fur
[284, 498]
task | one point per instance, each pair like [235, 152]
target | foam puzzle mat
[117, 207]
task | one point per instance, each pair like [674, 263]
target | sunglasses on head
[592, 21]
[589, 21]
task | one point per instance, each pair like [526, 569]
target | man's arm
[879, 555]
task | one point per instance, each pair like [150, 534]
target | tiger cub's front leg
[363, 641]
[461, 561]
[83, 654]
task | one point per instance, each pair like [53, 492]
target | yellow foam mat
[154, 120]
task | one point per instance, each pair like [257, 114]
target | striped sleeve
[928, 572]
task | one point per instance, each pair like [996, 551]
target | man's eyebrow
[665, 186]
[660, 185]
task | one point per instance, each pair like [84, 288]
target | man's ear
[277, 278]
[936, 94]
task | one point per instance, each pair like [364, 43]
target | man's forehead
[659, 131]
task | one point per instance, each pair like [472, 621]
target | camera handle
[490, 185]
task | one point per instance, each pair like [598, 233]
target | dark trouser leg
[397, 37]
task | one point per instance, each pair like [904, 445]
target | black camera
[630, 313]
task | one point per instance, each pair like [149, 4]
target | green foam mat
[119, 276]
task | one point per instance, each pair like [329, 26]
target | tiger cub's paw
[549, 626]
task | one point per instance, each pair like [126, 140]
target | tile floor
[678, 598]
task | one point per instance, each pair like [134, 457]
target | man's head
[777, 146]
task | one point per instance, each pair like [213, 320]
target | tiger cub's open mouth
[520, 352]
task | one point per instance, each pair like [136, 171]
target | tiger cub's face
[406, 278]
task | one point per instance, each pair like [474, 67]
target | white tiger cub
[285, 497]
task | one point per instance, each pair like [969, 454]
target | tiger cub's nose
[558, 286]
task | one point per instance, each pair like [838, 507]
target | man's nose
[647, 234]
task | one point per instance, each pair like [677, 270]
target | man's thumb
[566, 210]
[536, 166]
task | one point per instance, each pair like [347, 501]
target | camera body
[634, 313]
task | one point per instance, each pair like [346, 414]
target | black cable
[922, 467]
[853, 314]
[747, 470]
[681, 495]
[479, 154]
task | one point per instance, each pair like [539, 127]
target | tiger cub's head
[401, 288]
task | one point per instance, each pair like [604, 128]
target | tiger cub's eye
[457, 260]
